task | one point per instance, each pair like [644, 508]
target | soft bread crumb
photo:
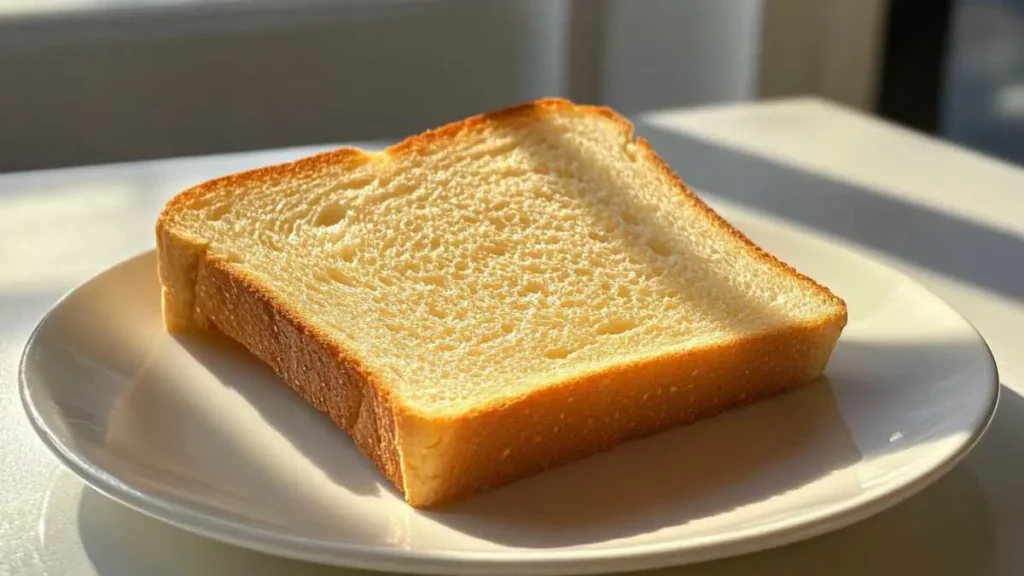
[471, 266]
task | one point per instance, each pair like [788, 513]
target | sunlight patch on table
[56, 239]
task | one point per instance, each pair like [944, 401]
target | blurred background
[93, 81]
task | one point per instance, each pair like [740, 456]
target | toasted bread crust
[505, 440]
[585, 415]
[325, 375]
[344, 159]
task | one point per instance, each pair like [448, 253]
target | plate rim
[527, 561]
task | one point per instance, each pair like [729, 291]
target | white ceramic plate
[200, 434]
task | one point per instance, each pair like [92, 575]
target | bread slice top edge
[348, 158]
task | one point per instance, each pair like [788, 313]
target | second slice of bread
[495, 297]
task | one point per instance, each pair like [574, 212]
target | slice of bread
[494, 297]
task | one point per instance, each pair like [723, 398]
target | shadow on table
[122, 542]
[944, 531]
[740, 461]
[326, 446]
[935, 240]
[699, 471]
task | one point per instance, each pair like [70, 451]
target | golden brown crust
[585, 415]
[324, 374]
[338, 160]
[728, 228]
[348, 158]
[508, 439]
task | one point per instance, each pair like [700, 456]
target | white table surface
[950, 218]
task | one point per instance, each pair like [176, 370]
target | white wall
[667, 53]
[830, 48]
[245, 75]
[202, 77]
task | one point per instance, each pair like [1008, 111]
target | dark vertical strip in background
[585, 50]
[913, 63]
